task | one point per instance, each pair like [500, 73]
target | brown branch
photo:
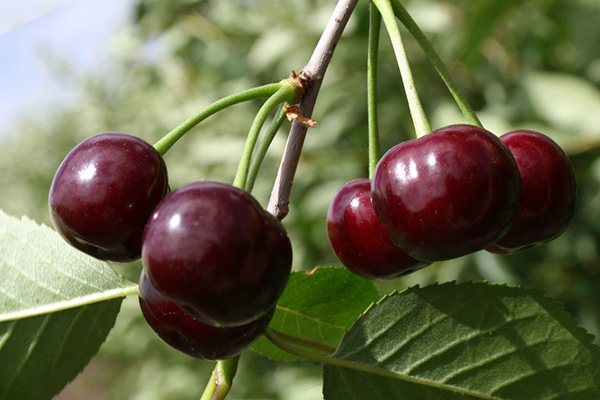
[313, 72]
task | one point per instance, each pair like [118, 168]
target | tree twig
[313, 72]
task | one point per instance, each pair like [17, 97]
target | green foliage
[40, 355]
[318, 306]
[569, 103]
[516, 67]
[467, 341]
[41, 273]
[57, 306]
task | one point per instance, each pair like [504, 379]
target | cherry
[185, 333]
[548, 192]
[213, 250]
[359, 240]
[451, 192]
[103, 193]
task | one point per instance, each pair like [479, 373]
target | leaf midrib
[71, 303]
[369, 369]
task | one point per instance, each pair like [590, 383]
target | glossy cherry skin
[359, 240]
[185, 333]
[213, 250]
[449, 193]
[103, 193]
[548, 192]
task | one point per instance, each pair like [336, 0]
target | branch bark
[313, 72]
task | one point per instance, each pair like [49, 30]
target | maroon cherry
[185, 333]
[451, 192]
[104, 192]
[213, 250]
[358, 238]
[548, 192]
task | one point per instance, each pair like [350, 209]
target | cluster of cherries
[215, 262]
[454, 191]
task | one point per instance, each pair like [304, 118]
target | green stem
[374, 30]
[420, 122]
[164, 144]
[284, 345]
[307, 343]
[287, 92]
[262, 150]
[221, 379]
[437, 62]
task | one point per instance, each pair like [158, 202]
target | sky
[78, 32]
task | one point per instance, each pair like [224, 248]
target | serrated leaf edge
[555, 308]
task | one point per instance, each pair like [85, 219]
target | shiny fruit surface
[213, 250]
[358, 238]
[451, 192]
[548, 192]
[103, 193]
[190, 336]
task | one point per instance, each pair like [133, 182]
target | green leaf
[319, 306]
[56, 307]
[565, 101]
[468, 341]
[40, 355]
[41, 273]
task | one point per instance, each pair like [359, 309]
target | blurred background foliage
[523, 64]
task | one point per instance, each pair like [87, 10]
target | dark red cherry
[104, 192]
[358, 238]
[451, 192]
[548, 192]
[185, 333]
[213, 250]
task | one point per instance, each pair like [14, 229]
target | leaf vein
[533, 371]
[298, 314]
[30, 351]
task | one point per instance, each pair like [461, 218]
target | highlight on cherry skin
[103, 193]
[448, 193]
[548, 192]
[185, 333]
[213, 250]
[359, 240]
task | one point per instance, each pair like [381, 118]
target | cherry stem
[313, 73]
[286, 93]
[264, 147]
[420, 121]
[221, 379]
[164, 144]
[373, 50]
[437, 62]
[304, 342]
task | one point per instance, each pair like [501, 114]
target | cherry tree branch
[313, 72]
